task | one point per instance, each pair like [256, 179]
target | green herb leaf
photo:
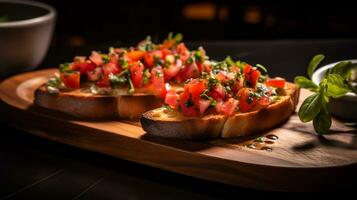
[259, 66]
[304, 82]
[178, 37]
[341, 68]
[322, 121]
[314, 63]
[65, 67]
[310, 107]
[229, 61]
[336, 87]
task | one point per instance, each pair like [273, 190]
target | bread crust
[91, 106]
[212, 126]
[209, 126]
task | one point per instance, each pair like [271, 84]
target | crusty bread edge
[96, 107]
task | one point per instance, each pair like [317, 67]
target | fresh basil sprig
[333, 85]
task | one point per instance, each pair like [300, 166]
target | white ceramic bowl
[344, 107]
[25, 38]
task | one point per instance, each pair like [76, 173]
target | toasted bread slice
[91, 106]
[169, 123]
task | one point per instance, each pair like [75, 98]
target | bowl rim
[32, 21]
[316, 76]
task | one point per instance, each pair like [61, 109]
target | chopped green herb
[65, 67]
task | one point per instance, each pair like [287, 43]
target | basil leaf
[304, 82]
[336, 87]
[341, 68]
[262, 68]
[310, 107]
[314, 63]
[322, 121]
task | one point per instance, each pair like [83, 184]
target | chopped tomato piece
[206, 66]
[172, 98]
[173, 69]
[190, 71]
[71, 80]
[218, 93]
[158, 82]
[96, 58]
[249, 102]
[187, 106]
[149, 58]
[136, 55]
[104, 82]
[95, 74]
[195, 88]
[203, 104]
[110, 68]
[168, 44]
[277, 82]
[83, 67]
[227, 108]
[136, 72]
[181, 48]
[251, 75]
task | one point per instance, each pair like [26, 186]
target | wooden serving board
[297, 161]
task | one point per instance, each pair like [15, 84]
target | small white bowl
[344, 107]
[25, 38]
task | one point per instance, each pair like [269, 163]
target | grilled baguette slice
[90, 106]
[169, 123]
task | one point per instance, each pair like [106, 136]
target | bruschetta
[123, 83]
[232, 100]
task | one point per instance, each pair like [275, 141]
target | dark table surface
[36, 168]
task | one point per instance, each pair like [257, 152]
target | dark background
[127, 21]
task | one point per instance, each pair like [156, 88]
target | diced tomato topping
[190, 71]
[95, 74]
[103, 82]
[136, 55]
[203, 104]
[172, 98]
[168, 44]
[206, 66]
[187, 106]
[82, 67]
[251, 75]
[217, 93]
[248, 101]
[277, 82]
[227, 108]
[173, 69]
[165, 52]
[181, 48]
[96, 58]
[113, 58]
[238, 84]
[195, 88]
[136, 72]
[158, 82]
[110, 68]
[149, 58]
[71, 80]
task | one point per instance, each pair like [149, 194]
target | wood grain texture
[299, 160]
